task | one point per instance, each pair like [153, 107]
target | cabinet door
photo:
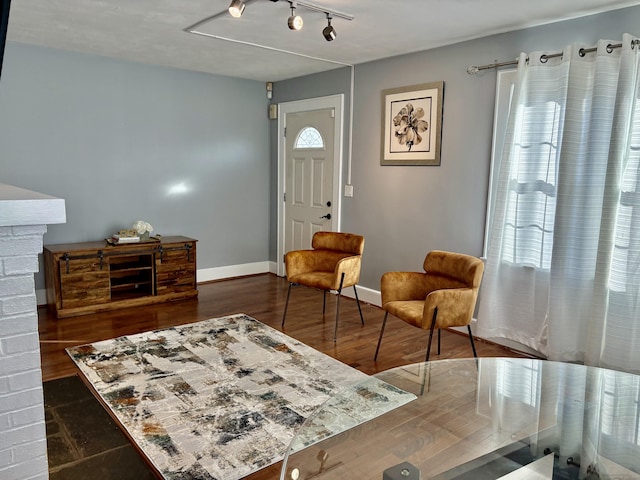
[175, 270]
[83, 282]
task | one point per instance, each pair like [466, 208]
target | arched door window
[308, 137]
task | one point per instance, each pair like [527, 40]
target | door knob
[327, 216]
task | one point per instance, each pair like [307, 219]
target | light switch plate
[348, 190]
[273, 111]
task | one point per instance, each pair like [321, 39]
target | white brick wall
[23, 447]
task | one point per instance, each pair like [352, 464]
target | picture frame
[412, 124]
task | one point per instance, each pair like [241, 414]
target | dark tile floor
[82, 440]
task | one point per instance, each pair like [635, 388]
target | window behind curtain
[504, 91]
[530, 211]
[625, 268]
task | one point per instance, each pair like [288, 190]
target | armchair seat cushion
[321, 280]
[409, 311]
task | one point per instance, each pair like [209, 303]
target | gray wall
[112, 138]
[403, 212]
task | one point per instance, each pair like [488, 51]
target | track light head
[236, 8]
[328, 32]
[295, 22]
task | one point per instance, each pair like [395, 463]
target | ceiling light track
[237, 8]
[321, 9]
[266, 47]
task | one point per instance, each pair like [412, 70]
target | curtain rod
[472, 70]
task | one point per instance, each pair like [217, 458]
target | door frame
[320, 103]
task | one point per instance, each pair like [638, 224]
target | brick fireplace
[24, 216]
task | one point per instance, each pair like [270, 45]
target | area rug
[223, 398]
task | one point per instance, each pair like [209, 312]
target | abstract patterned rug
[222, 398]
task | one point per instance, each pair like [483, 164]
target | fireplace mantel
[19, 206]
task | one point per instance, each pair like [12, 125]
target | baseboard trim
[41, 297]
[365, 295]
[231, 271]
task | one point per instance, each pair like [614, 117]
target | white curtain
[562, 274]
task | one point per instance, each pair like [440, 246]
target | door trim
[332, 101]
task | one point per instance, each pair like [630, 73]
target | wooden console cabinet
[92, 277]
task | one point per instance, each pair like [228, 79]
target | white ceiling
[153, 31]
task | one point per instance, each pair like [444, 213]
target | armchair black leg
[324, 301]
[286, 305]
[473, 346]
[433, 326]
[384, 322]
[358, 302]
[335, 332]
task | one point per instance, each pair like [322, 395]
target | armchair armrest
[300, 261]
[455, 307]
[350, 266]
[403, 286]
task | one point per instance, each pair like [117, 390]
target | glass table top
[488, 418]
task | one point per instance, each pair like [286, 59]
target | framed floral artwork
[412, 124]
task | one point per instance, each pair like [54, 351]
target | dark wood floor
[262, 297]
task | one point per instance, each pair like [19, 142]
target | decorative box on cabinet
[92, 277]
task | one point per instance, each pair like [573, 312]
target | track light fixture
[328, 32]
[236, 8]
[295, 21]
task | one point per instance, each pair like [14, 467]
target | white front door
[308, 177]
[309, 171]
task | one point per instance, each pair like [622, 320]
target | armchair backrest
[452, 270]
[341, 242]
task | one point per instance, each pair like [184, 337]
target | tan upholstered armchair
[442, 296]
[332, 264]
